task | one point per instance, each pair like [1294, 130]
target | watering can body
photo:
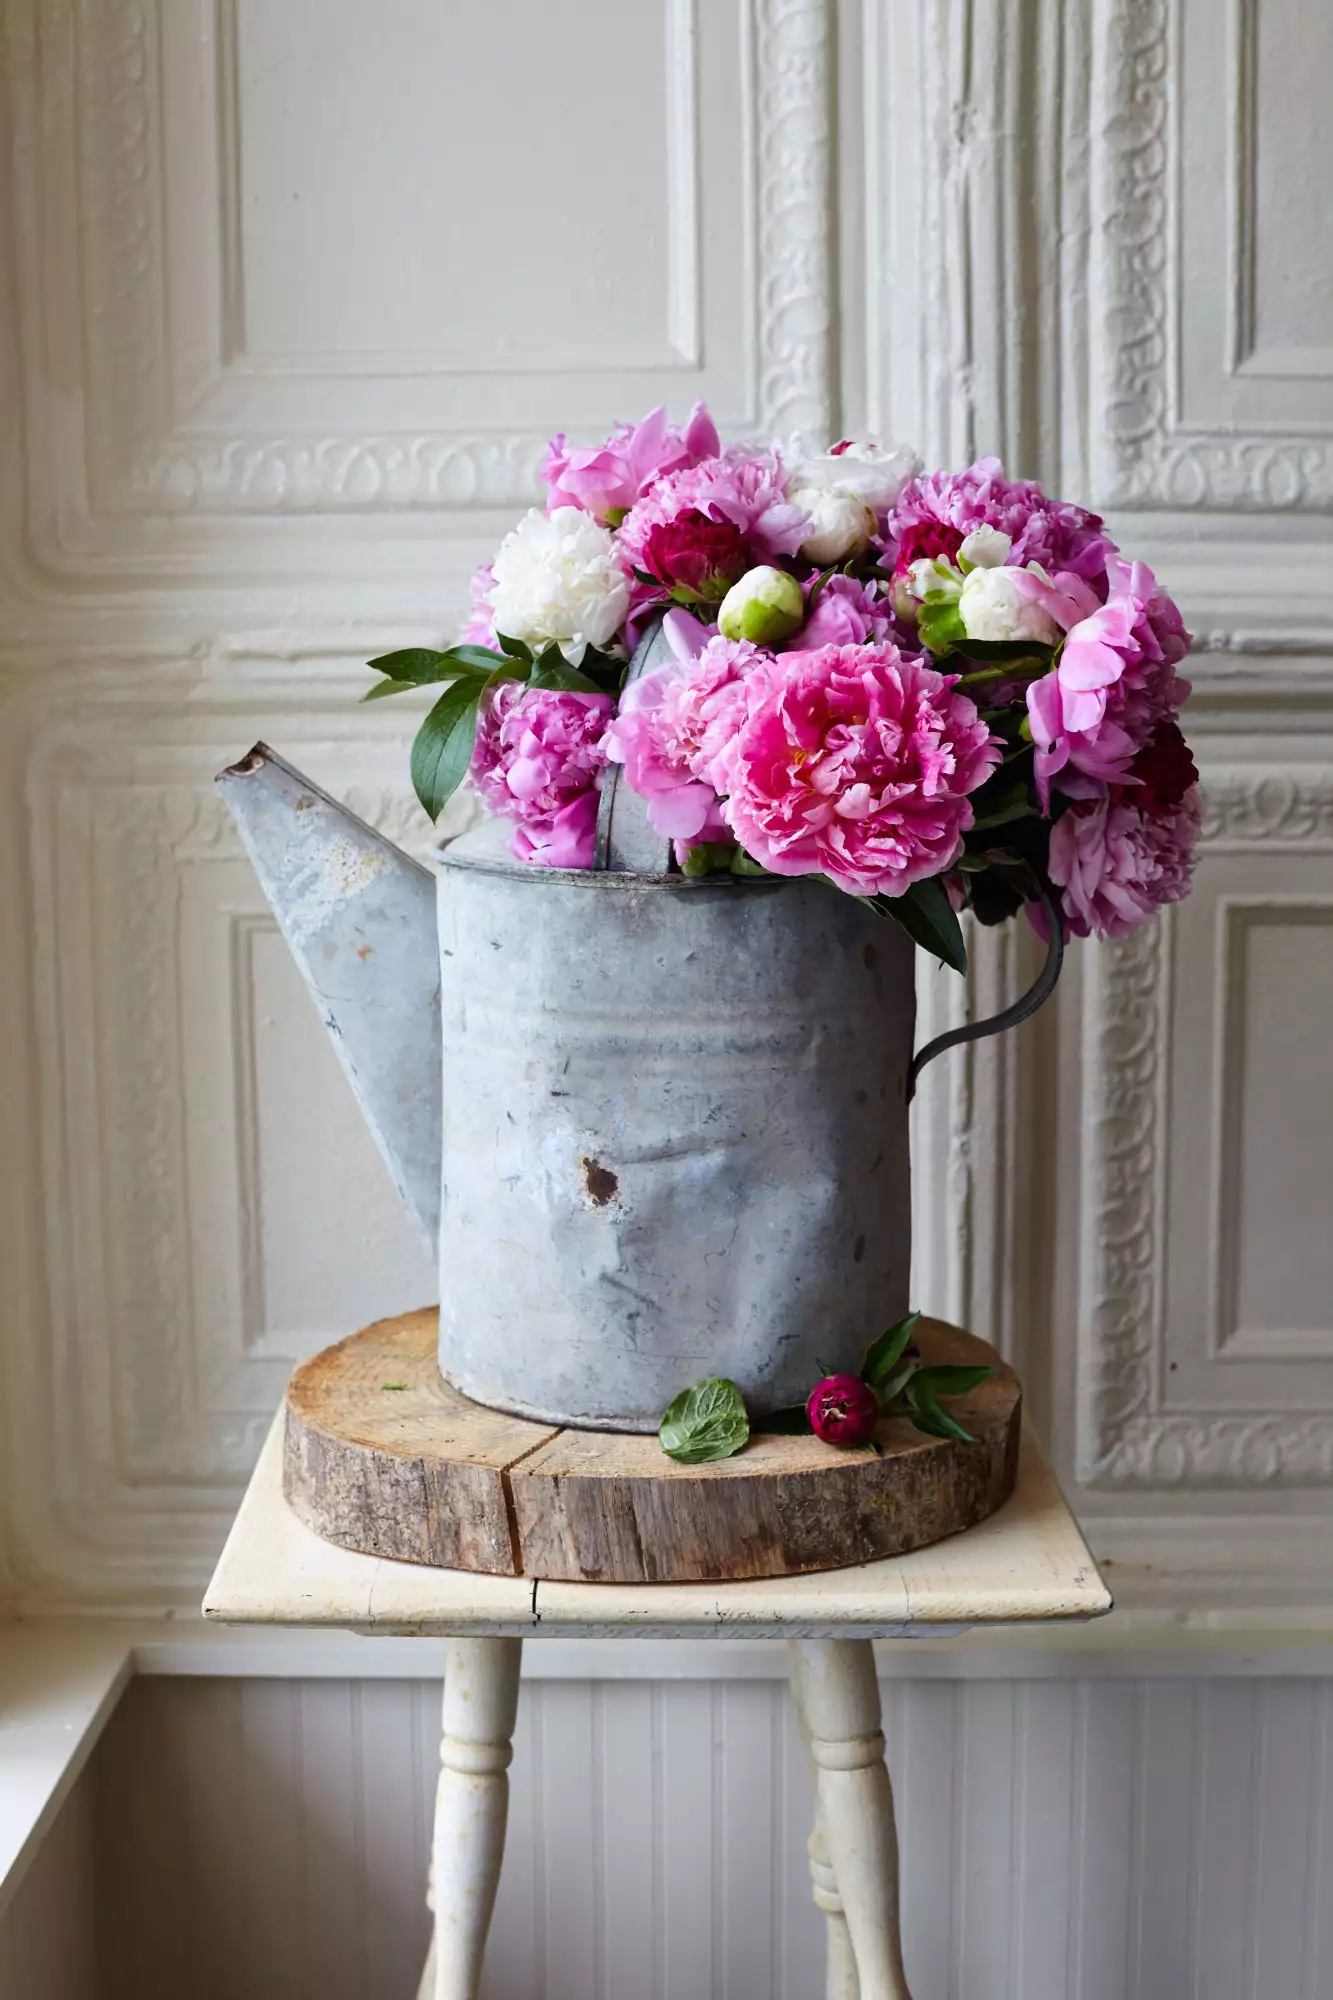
[674, 1136]
[659, 1126]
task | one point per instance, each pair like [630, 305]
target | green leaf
[949, 1381]
[890, 1391]
[387, 686]
[705, 1423]
[442, 749]
[1035, 650]
[481, 660]
[745, 864]
[936, 1422]
[415, 664]
[884, 1354]
[552, 670]
[604, 671]
[1005, 815]
[926, 1411]
[928, 917]
[791, 1422]
[517, 649]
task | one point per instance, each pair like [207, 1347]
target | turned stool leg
[837, 1697]
[471, 1806]
[841, 1982]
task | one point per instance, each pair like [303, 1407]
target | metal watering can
[658, 1126]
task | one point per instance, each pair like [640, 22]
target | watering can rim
[483, 862]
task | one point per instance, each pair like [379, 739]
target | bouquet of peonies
[936, 692]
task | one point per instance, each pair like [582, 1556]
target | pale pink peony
[932, 515]
[674, 730]
[856, 762]
[846, 613]
[564, 839]
[704, 526]
[607, 479]
[480, 628]
[538, 759]
[1115, 866]
[1114, 683]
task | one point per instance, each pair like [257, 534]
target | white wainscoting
[1062, 1840]
[49, 1945]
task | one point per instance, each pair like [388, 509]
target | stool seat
[1028, 1562]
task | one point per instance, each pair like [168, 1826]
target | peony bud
[843, 1410]
[765, 607]
[929, 575]
[994, 605]
[985, 548]
[841, 523]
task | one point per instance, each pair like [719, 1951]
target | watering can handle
[1040, 991]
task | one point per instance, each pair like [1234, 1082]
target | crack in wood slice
[383, 1456]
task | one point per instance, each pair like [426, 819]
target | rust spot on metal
[304, 803]
[365, 951]
[600, 1182]
[253, 760]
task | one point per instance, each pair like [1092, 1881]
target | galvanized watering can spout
[359, 917]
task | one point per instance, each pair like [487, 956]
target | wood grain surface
[383, 1456]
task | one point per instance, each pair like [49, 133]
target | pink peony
[1114, 682]
[934, 512]
[856, 762]
[1116, 865]
[675, 727]
[843, 1410]
[607, 479]
[704, 526]
[538, 759]
[846, 613]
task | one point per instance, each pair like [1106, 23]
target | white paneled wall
[1062, 1840]
[284, 375]
[291, 296]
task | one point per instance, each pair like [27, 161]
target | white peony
[876, 477]
[840, 522]
[992, 606]
[985, 548]
[558, 579]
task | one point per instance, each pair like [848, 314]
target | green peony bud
[765, 607]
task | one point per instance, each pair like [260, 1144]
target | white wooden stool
[1027, 1562]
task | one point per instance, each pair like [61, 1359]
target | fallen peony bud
[765, 607]
[843, 1410]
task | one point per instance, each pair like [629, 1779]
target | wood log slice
[381, 1455]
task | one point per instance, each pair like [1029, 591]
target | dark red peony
[1165, 770]
[705, 556]
[843, 1410]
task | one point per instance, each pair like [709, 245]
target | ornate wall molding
[1143, 456]
[93, 70]
[1126, 1437]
